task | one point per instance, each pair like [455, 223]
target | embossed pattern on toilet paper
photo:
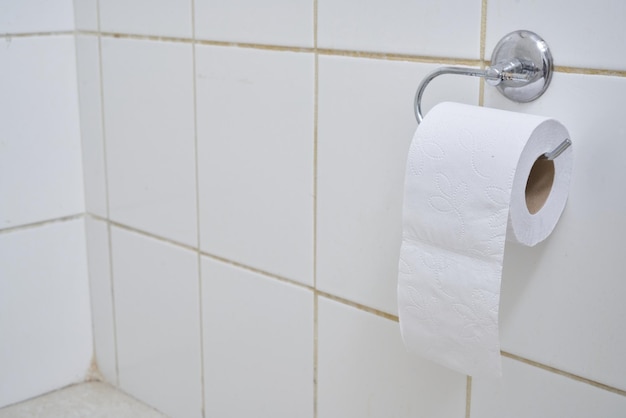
[459, 181]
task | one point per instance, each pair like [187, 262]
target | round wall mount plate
[534, 53]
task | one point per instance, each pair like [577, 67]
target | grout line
[468, 396]
[42, 223]
[564, 373]
[315, 160]
[257, 271]
[315, 352]
[197, 180]
[10, 36]
[315, 131]
[483, 29]
[322, 51]
[483, 37]
[343, 53]
[357, 305]
[315, 140]
[106, 188]
[589, 71]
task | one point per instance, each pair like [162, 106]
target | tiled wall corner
[255, 158]
[259, 361]
[45, 320]
[90, 100]
[101, 289]
[40, 159]
[149, 125]
[157, 314]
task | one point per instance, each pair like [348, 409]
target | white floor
[86, 400]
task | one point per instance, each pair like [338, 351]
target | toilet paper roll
[473, 180]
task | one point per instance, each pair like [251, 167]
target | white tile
[34, 16]
[101, 297]
[562, 301]
[255, 153]
[88, 68]
[40, 152]
[366, 123]
[588, 34]
[443, 29]
[258, 344]
[45, 320]
[146, 17]
[148, 103]
[527, 391]
[86, 14]
[158, 323]
[364, 370]
[275, 22]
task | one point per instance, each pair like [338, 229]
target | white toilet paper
[465, 193]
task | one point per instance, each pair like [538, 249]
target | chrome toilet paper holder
[521, 69]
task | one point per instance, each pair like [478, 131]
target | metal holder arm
[522, 72]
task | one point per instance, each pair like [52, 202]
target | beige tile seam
[483, 28]
[197, 180]
[9, 36]
[564, 373]
[106, 191]
[357, 305]
[483, 37]
[468, 396]
[315, 189]
[42, 223]
[347, 53]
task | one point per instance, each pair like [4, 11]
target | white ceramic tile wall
[255, 157]
[40, 152]
[157, 318]
[365, 126]
[527, 391]
[101, 297]
[86, 14]
[589, 34]
[417, 27]
[259, 149]
[276, 22]
[36, 16]
[365, 371]
[146, 17]
[45, 323]
[149, 128]
[259, 362]
[94, 173]
[561, 301]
